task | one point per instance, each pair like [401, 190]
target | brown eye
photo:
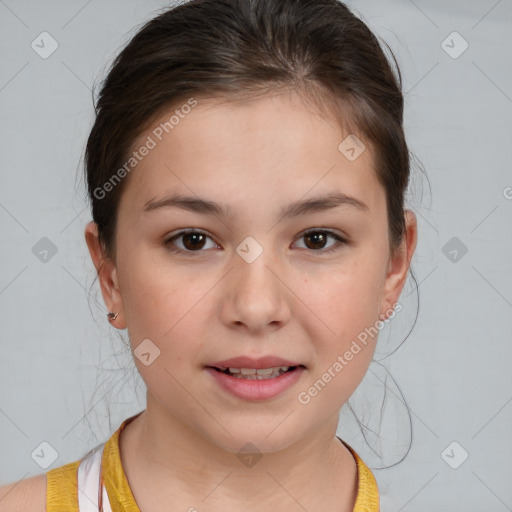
[192, 241]
[316, 240]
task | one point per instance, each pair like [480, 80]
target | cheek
[163, 305]
[343, 311]
[341, 328]
[154, 299]
[344, 299]
[161, 308]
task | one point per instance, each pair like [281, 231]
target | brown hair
[238, 49]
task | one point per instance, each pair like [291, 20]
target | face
[251, 280]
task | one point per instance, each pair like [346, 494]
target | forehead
[272, 148]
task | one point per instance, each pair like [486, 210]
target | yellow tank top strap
[62, 489]
[114, 478]
[367, 499]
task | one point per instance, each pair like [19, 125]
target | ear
[107, 275]
[399, 265]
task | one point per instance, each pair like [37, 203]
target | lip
[256, 390]
[251, 362]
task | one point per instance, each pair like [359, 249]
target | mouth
[256, 373]
[256, 384]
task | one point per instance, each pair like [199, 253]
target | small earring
[112, 316]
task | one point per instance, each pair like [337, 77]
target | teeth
[265, 371]
[258, 373]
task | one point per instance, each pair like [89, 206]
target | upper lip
[251, 362]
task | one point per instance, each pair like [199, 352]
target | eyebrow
[301, 207]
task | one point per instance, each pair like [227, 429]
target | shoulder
[23, 495]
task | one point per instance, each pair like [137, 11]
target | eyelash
[341, 241]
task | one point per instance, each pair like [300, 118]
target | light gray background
[454, 369]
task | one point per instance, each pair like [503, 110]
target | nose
[255, 296]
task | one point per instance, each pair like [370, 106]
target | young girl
[247, 170]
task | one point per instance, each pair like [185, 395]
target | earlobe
[107, 276]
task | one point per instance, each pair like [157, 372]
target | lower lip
[256, 389]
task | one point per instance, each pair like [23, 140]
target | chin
[256, 438]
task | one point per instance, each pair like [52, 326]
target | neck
[164, 457]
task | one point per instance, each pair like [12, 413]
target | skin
[295, 301]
